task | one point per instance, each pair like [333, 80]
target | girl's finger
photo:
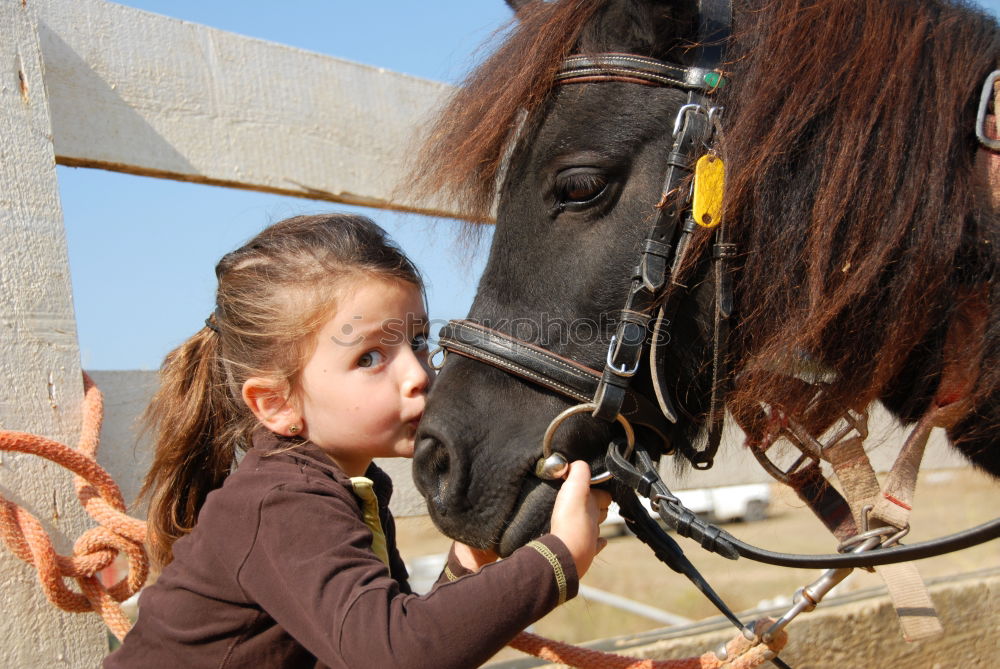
[578, 475]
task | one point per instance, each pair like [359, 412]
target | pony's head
[851, 199]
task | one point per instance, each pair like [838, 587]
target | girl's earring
[293, 429]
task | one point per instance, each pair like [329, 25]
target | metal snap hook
[683, 112]
[713, 115]
[436, 366]
[554, 465]
[987, 94]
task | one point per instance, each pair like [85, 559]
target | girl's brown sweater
[279, 572]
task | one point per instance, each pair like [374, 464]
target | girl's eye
[371, 359]
[579, 186]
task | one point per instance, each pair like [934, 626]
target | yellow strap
[363, 488]
[709, 186]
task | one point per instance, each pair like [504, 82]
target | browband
[637, 68]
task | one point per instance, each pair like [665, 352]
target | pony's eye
[579, 186]
[419, 343]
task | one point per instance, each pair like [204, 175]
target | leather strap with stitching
[640, 68]
[543, 368]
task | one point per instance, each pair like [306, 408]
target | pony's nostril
[433, 456]
[431, 467]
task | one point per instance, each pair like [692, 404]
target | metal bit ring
[572, 411]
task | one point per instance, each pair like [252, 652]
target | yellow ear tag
[709, 184]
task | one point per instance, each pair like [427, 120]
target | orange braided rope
[97, 547]
[117, 532]
[741, 653]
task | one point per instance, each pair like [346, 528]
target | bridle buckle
[623, 369]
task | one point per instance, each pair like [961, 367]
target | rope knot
[96, 548]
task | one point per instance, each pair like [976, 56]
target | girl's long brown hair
[274, 293]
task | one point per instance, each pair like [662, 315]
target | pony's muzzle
[433, 471]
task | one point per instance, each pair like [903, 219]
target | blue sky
[142, 251]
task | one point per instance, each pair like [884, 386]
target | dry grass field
[947, 501]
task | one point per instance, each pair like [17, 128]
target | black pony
[865, 232]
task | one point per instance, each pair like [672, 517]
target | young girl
[314, 363]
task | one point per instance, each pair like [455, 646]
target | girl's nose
[417, 375]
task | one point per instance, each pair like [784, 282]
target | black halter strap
[640, 69]
[664, 250]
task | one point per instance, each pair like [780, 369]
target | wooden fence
[89, 83]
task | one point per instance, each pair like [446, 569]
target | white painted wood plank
[127, 456]
[127, 453]
[858, 629]
[40, 382]
[137, 92]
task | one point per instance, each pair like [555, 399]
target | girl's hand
[577, 515]
[473, 558]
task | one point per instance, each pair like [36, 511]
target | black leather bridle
[664, 250]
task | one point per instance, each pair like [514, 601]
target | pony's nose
[433, 470]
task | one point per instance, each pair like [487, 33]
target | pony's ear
[518, 5]
[679, 22]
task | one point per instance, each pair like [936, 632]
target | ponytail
[191, 417]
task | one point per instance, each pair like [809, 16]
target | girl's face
[364, 387]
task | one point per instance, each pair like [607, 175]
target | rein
[575, 381]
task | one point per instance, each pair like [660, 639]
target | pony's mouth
[530, 517]
[531, 512]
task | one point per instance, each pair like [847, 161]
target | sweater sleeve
[452, 570]
[311, 569]
[396, 566]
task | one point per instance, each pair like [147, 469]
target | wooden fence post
[40, 382]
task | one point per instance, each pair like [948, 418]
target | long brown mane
[852, 161]
[852, 191]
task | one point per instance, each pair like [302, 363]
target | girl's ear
[271, 403]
